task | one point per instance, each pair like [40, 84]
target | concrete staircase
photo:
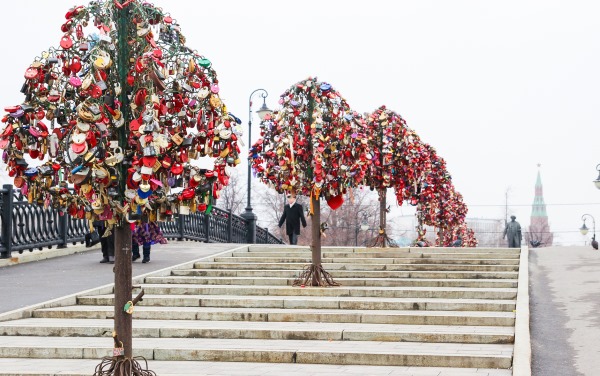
[417, 311]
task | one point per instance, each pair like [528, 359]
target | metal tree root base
[315, 275]
[121, 366]
[382, 240]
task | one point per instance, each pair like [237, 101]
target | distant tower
[539, 230]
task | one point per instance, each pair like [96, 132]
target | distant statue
[513, 230]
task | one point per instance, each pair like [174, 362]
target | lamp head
[584, 230]
[264, 110]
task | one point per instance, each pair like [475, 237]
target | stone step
[275, 351]
[350, 291]
[347, 274]
[84, 367]
[307, 253]
[280, 248]
[344, 266]
[411, 317]
[315, 302]
[263, 330]
[355, 260]
[374, 282]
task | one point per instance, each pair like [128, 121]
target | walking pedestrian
[293, 214]
[145, 234]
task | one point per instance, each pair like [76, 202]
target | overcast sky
[495, 86]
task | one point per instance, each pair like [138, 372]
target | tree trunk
[382, 217]
[123, 320]
[316, 239]
[314, 274]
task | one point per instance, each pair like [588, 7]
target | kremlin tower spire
[539, 230]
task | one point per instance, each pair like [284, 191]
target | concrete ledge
[522, 349]
[27, 312]
[37, 255]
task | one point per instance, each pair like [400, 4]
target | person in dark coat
[107, 243]
[293, 214]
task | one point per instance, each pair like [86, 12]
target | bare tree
[344, 224]
[268, 206]
[233, 195]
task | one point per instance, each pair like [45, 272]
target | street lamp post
[584, 229]
[248, 215]
[597, 181]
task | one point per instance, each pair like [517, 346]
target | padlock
[66, 42]
[149, 151]
[128, 308]
[118, 351]
[177, 139]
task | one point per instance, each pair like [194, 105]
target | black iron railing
[26, 226]
[219, 227]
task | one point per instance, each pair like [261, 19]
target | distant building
[488, 231]
[539, 233]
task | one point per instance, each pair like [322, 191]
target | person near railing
[146, 234]
[107, 243]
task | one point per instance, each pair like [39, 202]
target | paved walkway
[565, 311]
[34, 282]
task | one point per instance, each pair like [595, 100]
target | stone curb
[522, 349]
[27, 312]
[37, 255]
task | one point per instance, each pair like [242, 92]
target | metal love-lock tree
[439, 204]
[119, 110]
[315, 146]
[412, 162]
[391, 167]
[453, 213]
[433, 188]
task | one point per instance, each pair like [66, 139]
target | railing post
[229, 226]
[63, 228]
[251, 229]
[267, 235]
[7, 209]
[206, 227]
[180, 226]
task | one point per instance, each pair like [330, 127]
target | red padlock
[66, 42]
[75, 65]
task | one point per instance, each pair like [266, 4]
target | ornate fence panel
[5, 222]
[239, 229]
[28, 226]
[272, 239]
[34, 227]
[76, 229]
[261, 235]
[171, 229]
[194, 226]
[218, 226]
